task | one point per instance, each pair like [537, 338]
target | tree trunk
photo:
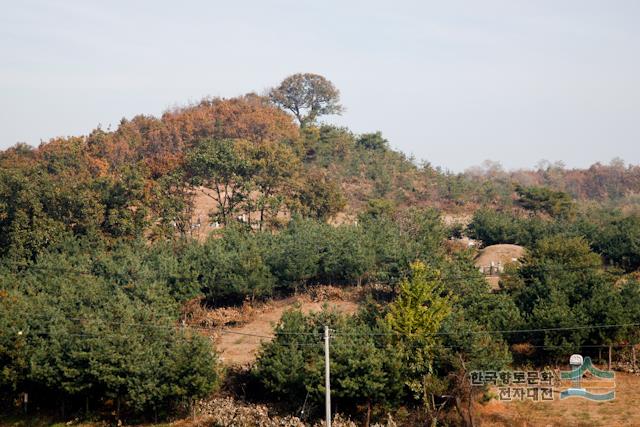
[261, 217]
[633, 356]
[610, 350]
[368, 419]
[460, 410]
[470, 396]
[434, 412]
[470, 407]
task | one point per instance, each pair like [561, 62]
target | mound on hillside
[502, 253]
[492, 260]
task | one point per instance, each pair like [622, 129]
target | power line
[337, 333]
[88, 335]
[275, 339]
[319, 344]
[499, 331]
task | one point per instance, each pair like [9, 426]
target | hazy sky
[451, 82]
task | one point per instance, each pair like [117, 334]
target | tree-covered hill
[98, 256]
[258, 160]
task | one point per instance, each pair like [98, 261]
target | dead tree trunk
[434, 418]
[459, 409]
[469, 389]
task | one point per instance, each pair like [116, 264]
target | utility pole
[327, 382]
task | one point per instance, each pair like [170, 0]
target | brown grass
[254, 324]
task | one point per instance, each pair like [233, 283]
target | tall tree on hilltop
[307, 96]
[272, 170]
[217, 165]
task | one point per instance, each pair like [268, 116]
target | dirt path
[239, 349]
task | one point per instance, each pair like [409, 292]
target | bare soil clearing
[238, 349]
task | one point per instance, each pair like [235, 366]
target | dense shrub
[68, 335]
[614, 235]
[610, 233]
[495, 227]
[561, 284]
[364, 370]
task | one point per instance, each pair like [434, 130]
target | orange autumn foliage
[160, 143]
[249, 117]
